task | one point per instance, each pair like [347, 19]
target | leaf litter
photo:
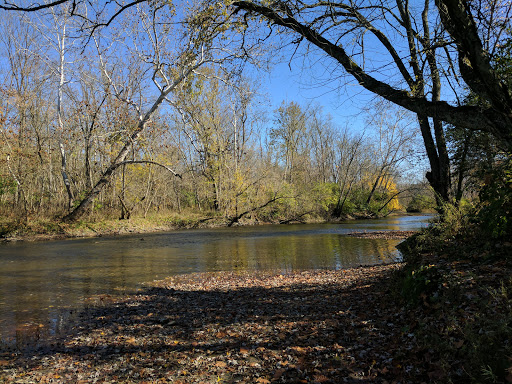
[342, 326]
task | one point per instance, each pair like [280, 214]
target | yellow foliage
[391, 188]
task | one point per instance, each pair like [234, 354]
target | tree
[166, 63]
[401, 51]
[392, 145]
[290, 136]
[25, 114]
[206, 121]
[317, 23]
[55, 30]
[332, 27]
[475, 154]
[217, 121]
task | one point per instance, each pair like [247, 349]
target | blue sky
[311, 85]
[314, 81]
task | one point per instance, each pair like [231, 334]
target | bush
[421, 283]
[495, 214]
[421, 203]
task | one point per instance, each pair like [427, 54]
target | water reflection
[42, 285]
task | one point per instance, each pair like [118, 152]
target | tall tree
[392, 146]
[290, 136]
[335, 27]
[166, 60]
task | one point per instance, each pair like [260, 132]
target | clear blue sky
[314, 82]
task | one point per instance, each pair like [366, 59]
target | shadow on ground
[325, 327]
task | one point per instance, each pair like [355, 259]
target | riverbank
[49, 229]
[307, 327]
[448, 322]
[40, 229]
[345, 326]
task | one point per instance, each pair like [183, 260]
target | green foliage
[471, 230]
[79, 198]
[495, 214]
[97, 205]
[325, 195]
[8, 229]
[377, 203]
[503, 60]
[7, 185]
[475, 236]
[349, 207]
[287, 205]
[453, 223]
[188, 198]
[421, 283]
[421, 203]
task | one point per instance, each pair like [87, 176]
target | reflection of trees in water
[383, 250]
[55, 276]
[355, 251]
[286, 253]
[28, 329]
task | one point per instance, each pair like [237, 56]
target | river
[44, 284]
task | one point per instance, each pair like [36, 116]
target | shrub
[495, 214]
[421, 283]
[421, 203]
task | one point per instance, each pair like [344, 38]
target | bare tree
[163, 61]
[290, 136]
[393, 143]
[335, 27]
[54, 28]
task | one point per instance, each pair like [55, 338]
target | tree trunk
[123, 153]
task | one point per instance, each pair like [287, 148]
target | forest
[152, 114]
[161, 118]
[154, 110]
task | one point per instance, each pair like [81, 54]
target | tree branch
[150, 162]
[471, 117]
[235, 219]
[34, 7]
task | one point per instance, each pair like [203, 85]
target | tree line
[216, 147]
[148, 106]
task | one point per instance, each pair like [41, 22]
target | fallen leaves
[305, 327]
[309, 326]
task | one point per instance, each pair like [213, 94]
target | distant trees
[290, 136]
[155, 116]
[219, 126]
[417, 56]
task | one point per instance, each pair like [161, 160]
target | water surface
[43, 284]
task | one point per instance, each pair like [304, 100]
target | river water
[43, 284]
